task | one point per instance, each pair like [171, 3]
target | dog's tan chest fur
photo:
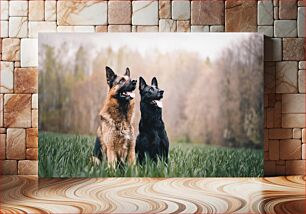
[116, 133]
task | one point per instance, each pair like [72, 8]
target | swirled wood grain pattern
[140, 195]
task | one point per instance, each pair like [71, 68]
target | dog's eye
[122, 81]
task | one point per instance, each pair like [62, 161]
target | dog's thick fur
[115, 135]
[152, 140]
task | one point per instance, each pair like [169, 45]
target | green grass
[68, 156]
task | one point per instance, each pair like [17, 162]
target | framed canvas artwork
[151, 105]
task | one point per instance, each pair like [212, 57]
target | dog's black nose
[134, 82]
[161, 92]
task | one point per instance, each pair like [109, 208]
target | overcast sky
[205, 44]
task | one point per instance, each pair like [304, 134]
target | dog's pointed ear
[110, 76]
[154, 82]
[127, 72]
[142, 83]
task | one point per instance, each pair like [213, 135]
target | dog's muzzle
[128, 90]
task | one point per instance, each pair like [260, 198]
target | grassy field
[68, 156]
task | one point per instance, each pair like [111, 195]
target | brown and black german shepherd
[115, 140]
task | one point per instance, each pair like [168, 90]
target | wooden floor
[139, 195]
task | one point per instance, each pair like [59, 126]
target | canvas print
[150, 104]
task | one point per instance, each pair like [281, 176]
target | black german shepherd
[152, 139]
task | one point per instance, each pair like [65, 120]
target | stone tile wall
[282, 21]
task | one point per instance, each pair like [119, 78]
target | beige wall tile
[119, 28]
[293, 120]
[265, 13]
[145, 13]
[280, 133]
[11, 49]
[164, 9]
[240, 16]
[18, 8]
[34, 118]
[29, 53]
[4, 10]
[269, 168]
[18, 27]
[286, 77]
[15, 144]
[4, 29]
[32, 138]
[17, 110]
[273, 150]
[180, 10]
[36, 10]
[76, 29]
[32, 154]
[287, 9]
[183, 26]
[301, 81]
[1, 111]
[207, 12]
[35, 101]
[41, 27]
[101, 28]
[147, 28]
[83, 13]
[8, 167]
[293, 48]
[119, 12]
[295, 167]
[293, 103]
[167, 25]
[50, 10]
[297, 133]
[2, 146]
[7, 77]
[290, 149]
[28, 167]
[26, 80]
